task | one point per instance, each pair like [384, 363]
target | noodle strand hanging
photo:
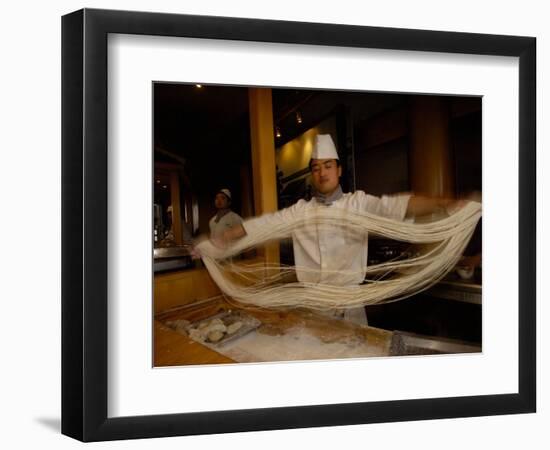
[264, 285]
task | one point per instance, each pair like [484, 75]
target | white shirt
[226, 222]
[333, 254]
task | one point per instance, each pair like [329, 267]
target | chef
[224, 219]
[334, 254]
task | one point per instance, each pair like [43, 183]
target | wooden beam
[263, 160]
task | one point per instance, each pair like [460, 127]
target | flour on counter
[296, 344]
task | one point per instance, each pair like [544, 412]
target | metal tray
[227, 317]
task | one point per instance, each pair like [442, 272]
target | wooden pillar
[176, 209]
[247, 208]
[263, 160]
[431, 168]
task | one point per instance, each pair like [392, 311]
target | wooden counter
[175, 349]
[192, 295]
[183, 287]
[172, 348]
[173, 289]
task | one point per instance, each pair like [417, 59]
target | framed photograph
[197, 151]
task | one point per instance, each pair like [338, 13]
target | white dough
[234, 327]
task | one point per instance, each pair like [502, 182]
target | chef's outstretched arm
[220, 241]
[253, 225]
[420, 205]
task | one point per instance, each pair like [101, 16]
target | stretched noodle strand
[266, 285]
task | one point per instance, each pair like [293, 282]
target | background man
[224, 219]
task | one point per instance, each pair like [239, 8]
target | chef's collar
[329, 199]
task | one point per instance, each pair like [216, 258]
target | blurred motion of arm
[421, 205]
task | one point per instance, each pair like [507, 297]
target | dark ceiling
[208, 127]
[190, 121]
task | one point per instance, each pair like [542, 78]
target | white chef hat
[324, 148]
[226, 192]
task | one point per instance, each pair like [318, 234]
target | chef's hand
[195, 254]
[194, 247]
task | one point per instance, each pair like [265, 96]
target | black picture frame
[84, 224]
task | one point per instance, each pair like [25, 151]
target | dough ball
[215, 336]
[217, 327]
[234, 327]
[196, 335]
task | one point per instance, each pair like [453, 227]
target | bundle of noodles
[265, 285]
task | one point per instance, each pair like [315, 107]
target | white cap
[324, 148]
[226, 192]
[169, 209]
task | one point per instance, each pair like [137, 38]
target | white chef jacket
[226, 222]
[334, 254]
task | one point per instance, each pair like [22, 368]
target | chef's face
[221, 201]
[325, 174]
